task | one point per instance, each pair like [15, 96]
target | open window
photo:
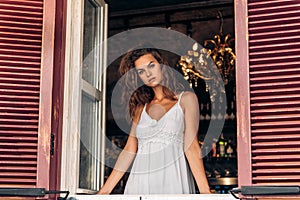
[84, 107]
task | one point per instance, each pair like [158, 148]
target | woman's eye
[140, 72]
[152, 65]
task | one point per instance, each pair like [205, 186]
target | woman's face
[149, 70]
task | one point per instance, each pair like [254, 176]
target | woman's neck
[158, 93]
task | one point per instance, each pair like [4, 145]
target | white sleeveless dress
[160, 166]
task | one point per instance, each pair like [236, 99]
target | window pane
[88, 143]
[90, 41]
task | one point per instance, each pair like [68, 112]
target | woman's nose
[148, 73]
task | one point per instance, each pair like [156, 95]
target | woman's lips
[151, 80]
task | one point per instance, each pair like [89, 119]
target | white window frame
[73, 86]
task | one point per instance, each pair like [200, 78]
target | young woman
[162, 143]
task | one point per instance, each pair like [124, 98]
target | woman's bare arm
[124, 160]
[192, 148]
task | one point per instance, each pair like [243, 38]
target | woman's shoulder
[138, 112]
[188, 98]
[188, 95]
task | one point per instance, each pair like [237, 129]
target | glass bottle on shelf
[202, 112]
[214, 148]
[221, 146]
[230, 149]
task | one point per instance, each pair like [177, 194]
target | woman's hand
[103, 191]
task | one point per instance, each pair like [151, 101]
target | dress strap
[180, 95]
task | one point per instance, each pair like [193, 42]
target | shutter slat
[27, 3]
[276, 130]
[18, 174]
[276, 125]
[269, 119]
[8, 40]
[7, 86]
[17, 181]
[15, 156]
[17, 24]
[19, 63]
[275, 98]
[278, 108]
[278, 171]
[272, 104]
[8, 110]
[20, 58]
[274, 59]
[17, 162]
[20, 121]
[272, 183]
[20, 36]
[274, 78]
[23, 13]
[22, 52]
[19, 133]
[17, 169]
[19, 98]
[274, 52]
[275, 137]
[19, 151]
[13, 127]
[277, 144]
[5, 104]
[273, 46]
[276, 91]
[275, 72]
[265, 158]
[20, 47]
[260, 86]
[20, 92]
[272, 27]
[272, 179]
[19, 75]
[20, 80]
[279, 64]
[16, 139]
[276, 164]
[19, 69]
[283, 39]
[12, 17]
[25, 6]
[283, 151]
[15, 115]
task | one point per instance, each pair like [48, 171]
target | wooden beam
[175, 7]
[176, 17]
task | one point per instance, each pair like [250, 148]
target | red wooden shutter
[274, 41]
[269, 104]
[26, 63]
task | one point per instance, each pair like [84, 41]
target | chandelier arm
[199, 75]
[221, 22]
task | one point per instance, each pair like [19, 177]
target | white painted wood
[103, 122]
[157, 197]
[72, 97]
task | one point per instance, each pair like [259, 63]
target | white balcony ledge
[155, 197]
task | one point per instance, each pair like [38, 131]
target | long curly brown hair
[135, 90]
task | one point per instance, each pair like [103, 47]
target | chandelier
[214, 63]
